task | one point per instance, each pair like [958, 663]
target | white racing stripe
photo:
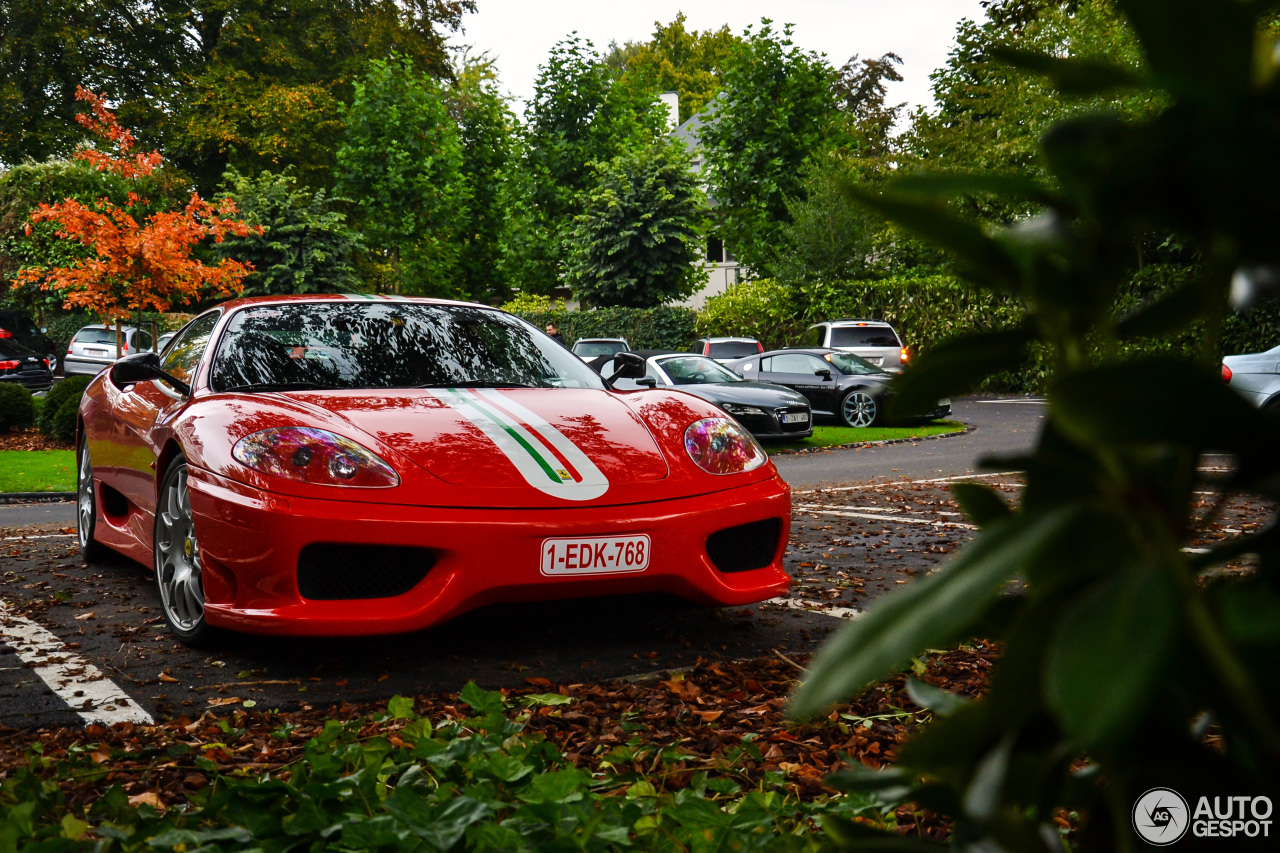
[890, 484]
[46, 536]
[77, 682]
[819, 509]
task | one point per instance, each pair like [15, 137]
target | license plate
[876, 360]
[595, 555]
[945, 401]
[795, 417]
[88, 351]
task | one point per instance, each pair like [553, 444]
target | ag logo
[1161, 817]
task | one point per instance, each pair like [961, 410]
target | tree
[677, 60]
[640, 231]
[777, 107]
[134, 266]
[579, 115]
[305, 246]
[1129, 660]
[400, 161]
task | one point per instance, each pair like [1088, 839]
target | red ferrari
[343, 465]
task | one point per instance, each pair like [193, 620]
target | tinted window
[813, 337]
[696, 370]
[389, 345]
[733, 349]
[95, 336]
[847, 362]
[864, 336]
[142, 340]
[183, 354]
[796, 363]
[589, 350]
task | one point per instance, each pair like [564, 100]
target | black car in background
[18, 327]
[766, 411]
[837, 383]
[24, 366]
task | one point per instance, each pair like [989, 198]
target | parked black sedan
[837, 383]
[24, 366]
[767, 411]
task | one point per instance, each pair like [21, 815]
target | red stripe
[573, 472]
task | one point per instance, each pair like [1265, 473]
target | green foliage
[635, 242]
[762, 308]
[1121, 648]
[16, 407]
[777, 107]
[532, 303]
[63, 395]
[663, 327]
[305, 247]
[403, 782]
[401, 162]
[674, 59]
[579, 115]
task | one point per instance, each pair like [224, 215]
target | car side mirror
[143, 367]
[647, 382]
[628, 365]
[825, 374]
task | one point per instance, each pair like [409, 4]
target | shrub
[16, 408]
[762, 309]
[68, 390]
[644, 328]
[62, 426]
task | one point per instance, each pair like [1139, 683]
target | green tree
[306, 246]
[1123, 649]
[777, 108]
[579, 115]
[676, 59]
[640, 231]
[400, 161]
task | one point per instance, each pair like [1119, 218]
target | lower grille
[337, 572]
[745, 547]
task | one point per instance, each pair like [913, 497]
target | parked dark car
[25, 367]
[838, 384]
[17, 326]
[767, 411]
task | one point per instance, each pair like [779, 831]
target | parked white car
[872, 340]
[94, 347]
[1256, 376]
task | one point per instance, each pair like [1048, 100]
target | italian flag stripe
[536, 433]
[498, 419]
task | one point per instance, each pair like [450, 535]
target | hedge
[644, 328]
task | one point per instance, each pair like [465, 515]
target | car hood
[746, 394]
[569, 443]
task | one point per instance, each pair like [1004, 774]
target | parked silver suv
[873, 340]
[94, 347]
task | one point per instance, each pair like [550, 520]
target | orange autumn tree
[135, 266]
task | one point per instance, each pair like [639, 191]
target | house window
[715, 250]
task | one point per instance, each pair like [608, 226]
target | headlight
[721, 446]
[735, 409]
[313, 456]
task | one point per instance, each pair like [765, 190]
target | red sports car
[369, 464]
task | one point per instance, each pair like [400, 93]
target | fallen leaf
[151, 798]
[230, 700]
[83, 616]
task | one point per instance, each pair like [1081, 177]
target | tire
[859, 409]
[176, 559]
[86, 506]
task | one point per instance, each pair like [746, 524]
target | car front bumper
[250, 543]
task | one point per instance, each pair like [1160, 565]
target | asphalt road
[86, 643]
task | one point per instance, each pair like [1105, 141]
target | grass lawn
[37, 471]
[833, 436]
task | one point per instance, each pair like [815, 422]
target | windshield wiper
[279, 386]
[478, 383]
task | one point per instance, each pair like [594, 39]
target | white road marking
[77, 682]
[819, 509]
[908, 483]
[43, 536]
[815, 607]
[1037, 401]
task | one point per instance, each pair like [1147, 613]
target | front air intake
[340, 572]
[745, 547]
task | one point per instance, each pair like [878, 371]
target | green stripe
[555, 478]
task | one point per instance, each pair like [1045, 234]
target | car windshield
[334, 345]
[850, 364]
[732, 349]
[863, 336]
[696, 370]
[95, 336]
[589, 349]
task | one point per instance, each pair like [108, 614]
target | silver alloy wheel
[178, 557]
[85, 509]
[859, 409]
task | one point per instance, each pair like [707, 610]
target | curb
[803, 450]
[36, 497]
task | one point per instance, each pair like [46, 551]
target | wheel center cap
[188, 547]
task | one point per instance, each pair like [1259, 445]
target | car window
[591, 349]
[183, 354]
[796, 363]
[697, 370]
[328, 345]
[733, 349]
[848, 363]
[864, 336]
[95, 336]
[813, 337]
[142, 340]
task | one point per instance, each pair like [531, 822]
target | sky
[519, 34]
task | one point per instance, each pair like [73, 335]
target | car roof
[722, 339]
[109, 328]
[851, 322]
[601, 341]
[818, 351]
[284, 299]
